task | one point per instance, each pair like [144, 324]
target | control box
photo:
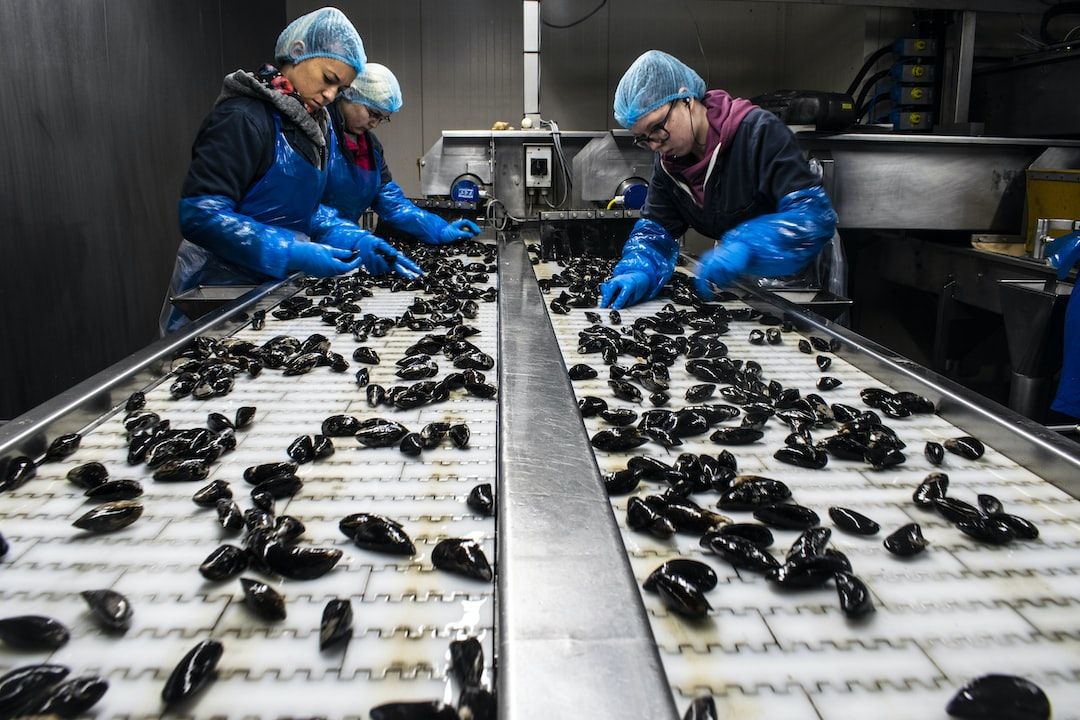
[538, 166]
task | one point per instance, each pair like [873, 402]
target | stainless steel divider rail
[573, 637]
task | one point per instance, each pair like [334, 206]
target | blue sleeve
[397, 210]
[331, 229]
[212, 222]
[783, 242]
[650, 249]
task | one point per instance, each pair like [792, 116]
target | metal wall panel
[94, 152]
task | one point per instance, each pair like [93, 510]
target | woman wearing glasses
[359, 176]
[723, 166]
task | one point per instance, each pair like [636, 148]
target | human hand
[461, 229]
[624, 289]
[721, 266]
[320, 260]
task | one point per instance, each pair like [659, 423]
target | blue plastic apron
[1068, 394]
[286, 196]
[350, 189]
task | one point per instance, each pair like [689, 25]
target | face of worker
[675, 138]
[358, 119]
[318, 80]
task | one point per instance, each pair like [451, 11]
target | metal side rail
[574, 640]
[1031, 445]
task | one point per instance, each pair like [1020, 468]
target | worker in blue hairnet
[250, 205]
[723, 166]
[1063, 254]
[359, 177]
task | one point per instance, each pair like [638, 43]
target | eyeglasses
[377, 117]
[654, 133]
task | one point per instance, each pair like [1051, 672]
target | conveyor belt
[406, 612]
[960, 610]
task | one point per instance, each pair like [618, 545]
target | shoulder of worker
[762, 127]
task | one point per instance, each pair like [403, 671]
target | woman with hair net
[359, 177]
[723, 166]
[250, 205]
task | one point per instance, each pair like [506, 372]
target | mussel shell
[481, 500]
[411, 445]
[803, 572]
[467, 661]
[208, 495]
[753, 493]
[990, 504]
[853, 522]
[244, 417]
[224, 563]
[461, 557]
[257, 474]
[739, 551]
[300, 563]
[26, 684]
[426, 710]
[987, 529]
[619, 439]
[881, 456]
[379, 432]
[827, 382]
[701, 392]
[336, 624]
[1021, 527]
[804, 456]
[87, 476]
[340, 425]
[736, 436]
[686, 515]
[906, 541]
[33, 632]
[588, 406]
[682, 596]
[70, 699]
[302, 449]
[62, 447]
[123, 489]
[459, 435]
[810, 542]
[182, 470]
[693, 571]
[193, 672]
[999, 697]
[110, 517]
[759, 535]
[934, 452]
[111, 609]
[787, 516]
[582, 371]
[933, 487]
[263, 600]
[377, 533]
[620, 417]
[955, 510]
[966, 447]
[855, 598]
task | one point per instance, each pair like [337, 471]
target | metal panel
[605, 162]
[573, 637]
[1037, 98]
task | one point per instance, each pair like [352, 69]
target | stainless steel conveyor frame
[572, 635]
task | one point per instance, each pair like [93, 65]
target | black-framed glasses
[378, 117]
[654, 133]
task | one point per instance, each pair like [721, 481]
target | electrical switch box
[538, 166]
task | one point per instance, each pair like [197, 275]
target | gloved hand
[624, 289]
[380, 257]
[721, 266]
[458, 230]
[1064, 252]
[321, 260]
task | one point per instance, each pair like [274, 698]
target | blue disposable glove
[721, 266]
[1064, 252]
[321, 260]
[458, 230]
[380, 257]
[624, 289]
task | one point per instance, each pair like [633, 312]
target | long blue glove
[211, 222]
[1064, 252]
[394, 208]
[377, 256]
[625, 289]
[776, 244]
[321, 260]
[649, 254]
[461, 229]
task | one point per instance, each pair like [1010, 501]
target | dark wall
[103, 102]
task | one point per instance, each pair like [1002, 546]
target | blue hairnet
[376, 88]
[655, 78]
[323, 33]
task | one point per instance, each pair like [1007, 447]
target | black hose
[580, 20]
[870, 62]
[860, 111]
[869, 85]
[1065, 8]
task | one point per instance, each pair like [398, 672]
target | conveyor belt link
[406, 612]
[959, 610]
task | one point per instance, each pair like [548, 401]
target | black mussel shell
[810, 542]
[759, 535]
[915, 403]
[33, 632]
[280, 486]
[827, 382]
[363, 377]
[20, 469]
[244, 417]
[955, 510]
[1021, 527]
[110, 490]
[70, 699]
[804, 456]
[701, 392]
[433, 433]
[263, 600]
[615, 317]
[411, 445]
[844, 447]
[787, 516]
[110, 517]
[621, 482]
[323, 446]
[208, 495]
[990, 504]
[426, 710]
[136, 401]
[592, 317]
[336, 625]
[87, 476]
[757, 337]
[110, 609]
[257, 474]
[619, 439]
[340, 426]
[263, 500]
[365, 355]
[619, 416]
[999, 697]
[855, 599]
[194, 671]
[377, 533]
[966, 447]
[853, 522]
[736, 435]
[287, 528]
[302, 449]
[378, 432]
[224, 563]
[481, 389]
[625, 391]
[694, 571]
[256, 519]
[702, 708]
[659, 398]
[300, 563]
[62, 447]
[987, 529]
[480, 499]
[934, 453]
[806, 347]
[682, 596]
[182, 470]
[906, 541]
[739, 551]
[229, 515]
[934, 487]
[640, 516]
[753, 493]
[462, 557]
[467, 661]
[823, 362]
[582, 372]
[4, 547]
[459, 435]
[773, 336]
[217, 422]
[882, 455]
[27, 684]
[802, 571]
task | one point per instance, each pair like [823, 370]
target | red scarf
[358, 146]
